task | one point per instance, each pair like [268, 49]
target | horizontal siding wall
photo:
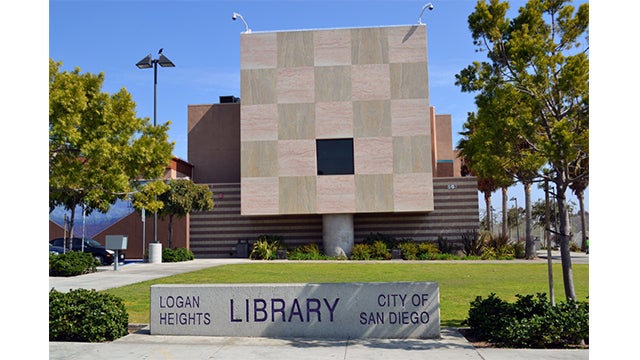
[215, 234]
[455, 213]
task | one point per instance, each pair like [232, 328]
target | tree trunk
[505, 212]
[69, 241]
[565, 239]
[530, 246]
[170, 231]
[487, 202]
[583, 225]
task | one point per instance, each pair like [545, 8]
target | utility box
[116, 242]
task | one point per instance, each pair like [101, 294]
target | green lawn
[460, 282]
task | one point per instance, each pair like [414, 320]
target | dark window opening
[334, 156]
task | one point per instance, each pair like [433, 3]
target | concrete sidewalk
[142, 345]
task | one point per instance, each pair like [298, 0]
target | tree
[498, 145]
[481, 163]
[578, 187]
[97, 145]
[539, 54]
[179, 198]
[539, 216]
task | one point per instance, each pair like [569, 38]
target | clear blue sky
[203, 41]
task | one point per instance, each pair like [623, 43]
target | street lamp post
[147, 63]
[517, 226]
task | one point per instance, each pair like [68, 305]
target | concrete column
[337, 234]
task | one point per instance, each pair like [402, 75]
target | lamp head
[235, 16]
[427, 6]
[145, 63]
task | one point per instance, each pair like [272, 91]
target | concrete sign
[396, 310]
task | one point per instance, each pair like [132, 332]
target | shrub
[266, 247]
[518, 249]
[530, 322]
[380, 251]
[306, 252]
[86, 316]
[409, 250]
[388, 240]
[472, 243]
[71, 263]
[177, 255]
[426, 250]
[501, 247]
[360, 252]
[445, 246]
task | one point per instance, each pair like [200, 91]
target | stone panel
[369, 46]
[410, 117]
[295, 85]
[411, 155]
[259, 159]
[373, 155]
[296, 157]
[297, 195]
[374, 193]
[296, 122]
[336, 194]
[407, 44]
[332, 47]
[258, 51]
[264, 195]
[413, 192]
[333, 83]
[259, 122]
[371, 118]
[370, 82]
[334, 120]
[409, 81]
[258, 86]
[295, 49]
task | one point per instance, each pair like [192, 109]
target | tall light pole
[147, 63]
[517, 226]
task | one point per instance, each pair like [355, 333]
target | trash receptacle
[242, 249]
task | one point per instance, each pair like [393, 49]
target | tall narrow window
[334, 156]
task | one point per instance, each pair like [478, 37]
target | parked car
[99, 252]
[55, 250]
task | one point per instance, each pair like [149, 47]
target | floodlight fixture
[427, 6]
[246, 27]
[145, 63]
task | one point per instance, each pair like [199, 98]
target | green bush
[518, 249]
[426, 248]
[306, 252]
[500, 247]
[530, 322]
[266, 247]
[71, 263]
[380, 251]
[445, 246]
[409, 250]
[176, 255]
[473, 243]
[86, 316]
[360, 252]
[388, 240]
